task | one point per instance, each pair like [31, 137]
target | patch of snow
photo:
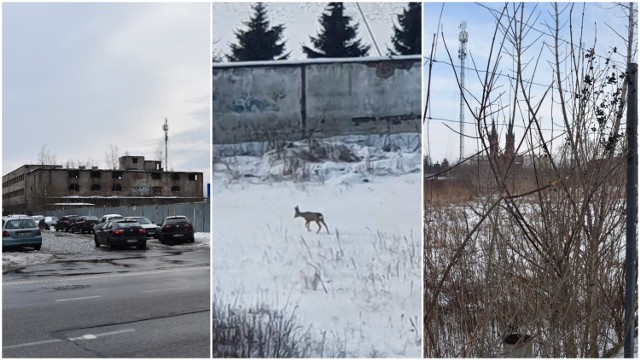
[16, 260]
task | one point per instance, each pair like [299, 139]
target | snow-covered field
[359, 287]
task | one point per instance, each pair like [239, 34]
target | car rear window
[177, 221]
[20, 224]
[127, 223]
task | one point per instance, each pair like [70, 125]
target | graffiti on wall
[246, 103]
[141, 190]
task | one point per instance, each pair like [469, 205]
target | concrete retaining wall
[265, 101]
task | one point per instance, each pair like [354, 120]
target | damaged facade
[37, 188]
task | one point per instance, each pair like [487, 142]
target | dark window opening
[74, 174]
[116, 187]
[134, 160]
[95, 187]
[175, 188]
[193, 177]
[156, 176]
[74, 187]
[116, 175]
[95, 174]
[175, 176]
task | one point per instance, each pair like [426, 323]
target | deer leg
[325, 225]
[307, 226]
[319, 226]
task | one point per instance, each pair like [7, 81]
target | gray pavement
[90, 302]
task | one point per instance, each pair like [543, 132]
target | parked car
[84, 224]
[176, 228]
[51, 220]
[36, 218]
[121, 233]
[148, 226]
[17, 216]
[19, 232]
[104, 219]
[65, 222]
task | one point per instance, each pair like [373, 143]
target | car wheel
[142, 246]
[37, 247]
[110, 245]
[95, 239]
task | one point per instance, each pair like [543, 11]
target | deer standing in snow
[311, 216]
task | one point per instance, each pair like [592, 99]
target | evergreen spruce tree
[407, 39]
[336, 38]
[258, 42]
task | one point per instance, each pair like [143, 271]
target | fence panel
[198, 213]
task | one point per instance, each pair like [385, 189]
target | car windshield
[90, 218]
[19, 224]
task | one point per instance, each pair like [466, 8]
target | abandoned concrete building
[37, 188]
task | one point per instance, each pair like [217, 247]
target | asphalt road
[130, 303]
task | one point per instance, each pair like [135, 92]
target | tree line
[338, 37]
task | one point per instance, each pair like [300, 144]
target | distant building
[509, 156]
[36, 188]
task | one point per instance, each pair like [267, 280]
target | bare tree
[541, 257]
[112, 157]
[45, 156]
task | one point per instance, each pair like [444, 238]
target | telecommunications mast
[165, 127]
[462, 54]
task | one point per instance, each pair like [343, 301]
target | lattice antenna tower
[462, 54]
[165, 127]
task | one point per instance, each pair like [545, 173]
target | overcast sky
[80, 77]
[301, 21]
[444, 105]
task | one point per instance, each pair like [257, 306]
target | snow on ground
[56, 245]
[16, 260]
[361, 284]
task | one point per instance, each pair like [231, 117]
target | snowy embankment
[359, 287]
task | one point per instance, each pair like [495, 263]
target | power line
[474, 123]
[436, 61]
[550, 35]
[373, 38]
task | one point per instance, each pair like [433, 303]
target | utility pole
[462, 54]
[632, 210]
